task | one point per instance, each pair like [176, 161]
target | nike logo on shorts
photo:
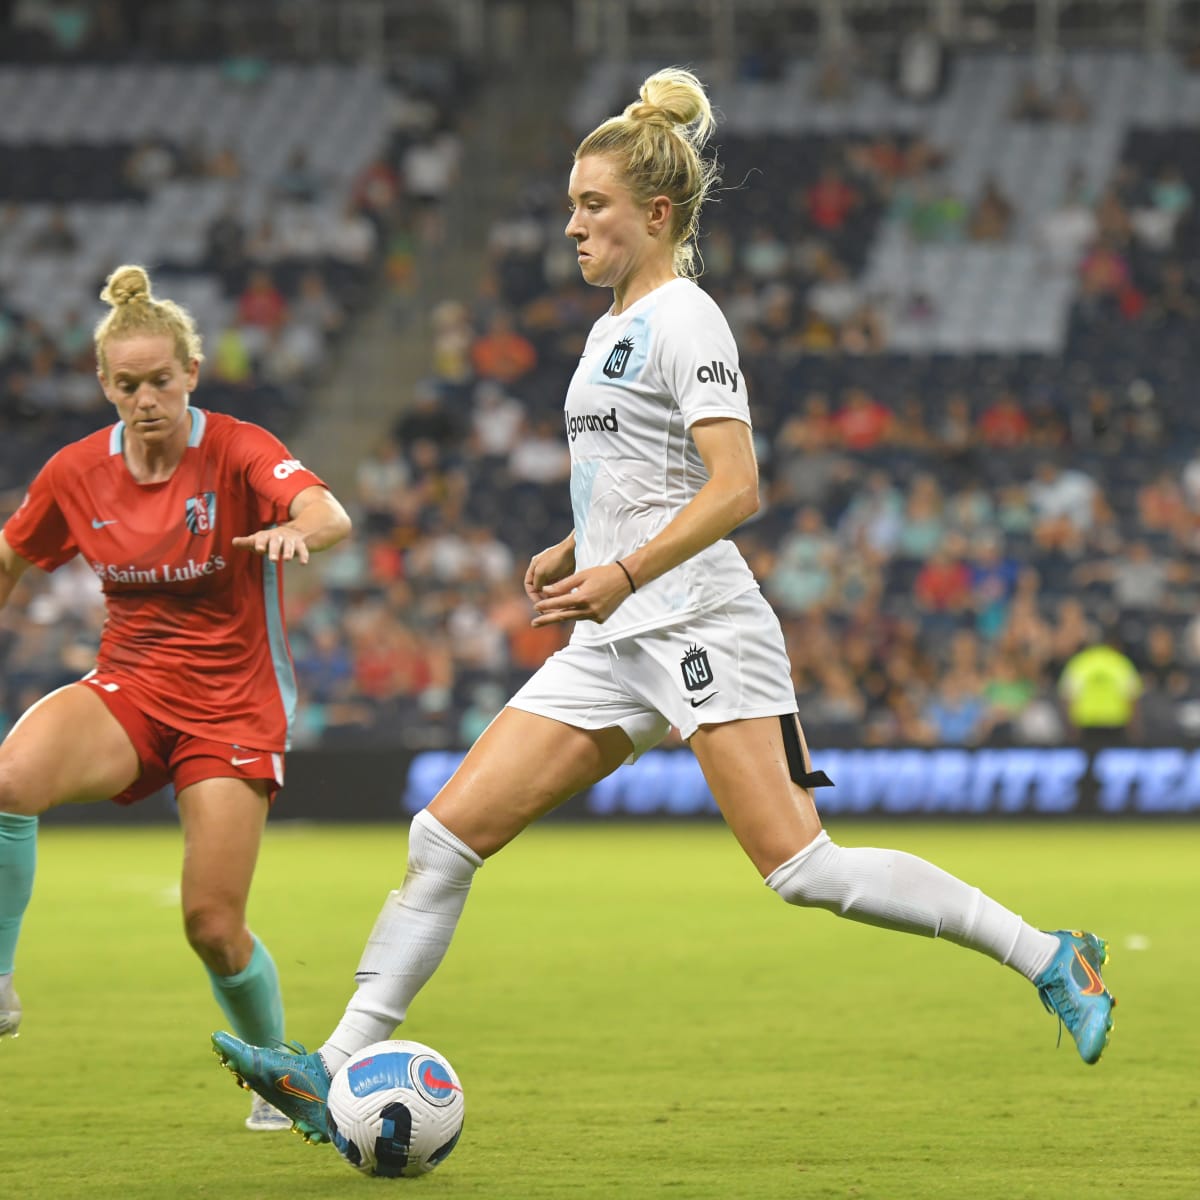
[243, 762]
[98, 524]
[697, 703]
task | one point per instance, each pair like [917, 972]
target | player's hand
[548, 566]
[590, 595]
[281, 544]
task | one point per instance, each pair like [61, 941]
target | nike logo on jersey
[697, 703]
[243, 762]
[98, 524]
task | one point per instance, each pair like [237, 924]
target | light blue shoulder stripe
[285, 675]
[199, 421]
[116, 438]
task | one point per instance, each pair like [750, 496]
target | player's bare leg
[747, 767]
[67, 748]
[223, 821]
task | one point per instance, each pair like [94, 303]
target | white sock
[895, 890]
[409, 940]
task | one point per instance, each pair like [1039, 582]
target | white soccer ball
[395, 1109]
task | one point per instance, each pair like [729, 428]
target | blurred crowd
[941, 535]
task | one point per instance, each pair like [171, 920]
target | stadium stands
[966, 329]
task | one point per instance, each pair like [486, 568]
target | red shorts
[172, 756]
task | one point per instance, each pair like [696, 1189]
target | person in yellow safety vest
[1101, 688]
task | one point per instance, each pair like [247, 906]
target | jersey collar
[116, 437]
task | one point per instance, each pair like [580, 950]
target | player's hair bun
[670, 98]
[125, 285]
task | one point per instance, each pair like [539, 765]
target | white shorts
[725, 665]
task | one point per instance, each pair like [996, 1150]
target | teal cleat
[292, 1081]
[1071, 988]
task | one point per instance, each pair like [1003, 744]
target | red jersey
[194, 631]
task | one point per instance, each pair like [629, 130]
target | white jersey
[646, 376]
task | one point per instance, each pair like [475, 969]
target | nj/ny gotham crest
[697, 673]
[618, 358]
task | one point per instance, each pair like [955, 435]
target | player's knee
[804, 878]
[214, 932]
[16, 797]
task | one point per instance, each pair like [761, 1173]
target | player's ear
[193, 375]
[658, 215]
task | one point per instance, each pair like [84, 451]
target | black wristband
[632, 585]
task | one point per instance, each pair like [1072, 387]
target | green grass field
[633, 1015]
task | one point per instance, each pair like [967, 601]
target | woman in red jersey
[185, 516]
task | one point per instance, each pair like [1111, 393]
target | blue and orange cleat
[1071, 988]
[292, 1081]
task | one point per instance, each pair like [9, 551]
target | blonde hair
[656, 143]
[135, 311]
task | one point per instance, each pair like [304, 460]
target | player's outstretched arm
[315, 522]
[12, 567]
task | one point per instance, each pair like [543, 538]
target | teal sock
[251, 999]
[18, 858]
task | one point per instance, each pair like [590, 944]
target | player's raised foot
[1071, 987]
[289, 1079]
[265, 1117]
[10, 1009]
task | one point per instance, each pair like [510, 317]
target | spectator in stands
[942, 588]
[224, 164]
[1065, 503]
[149, 164]
[429, 420]
[924, 525]
[352, 237]
[833, 295]
[991, 218]
[261, 305]
[496, 421]
[802, 576]
[765, 255]
[1071, 105]
[225, 243]
[1162, 507]
[862, 423]
[1003, 425]
[1066, 232]
[1175, 301]
[957, 712]
[831, 200]
[838, 705]
[297, 183]
[55, 238]
[873, 518]
[503, 353]
[1030, 102]
[232, 361]
[1140, 581]
[381, 478]
[1101, 687]
[994, 577]
[541, 455]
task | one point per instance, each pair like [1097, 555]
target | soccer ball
[395, 1109]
